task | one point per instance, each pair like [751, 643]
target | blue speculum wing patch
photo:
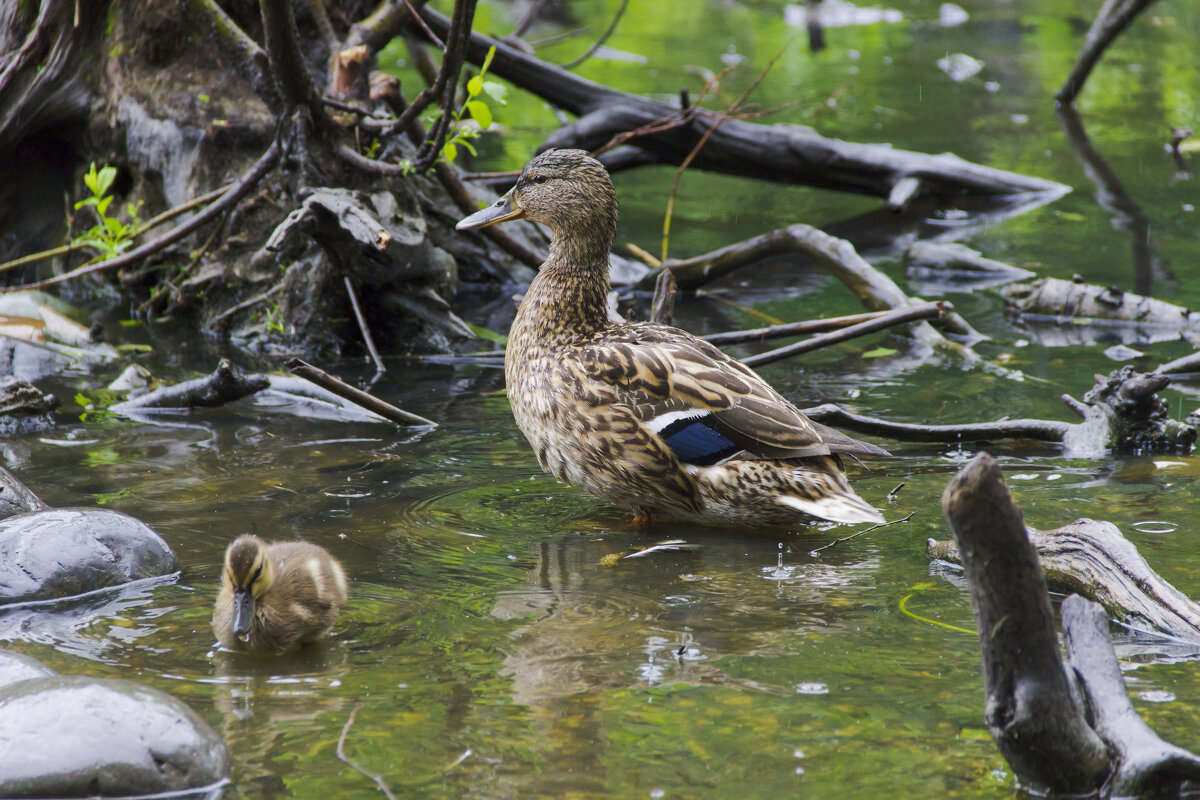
[697, 441]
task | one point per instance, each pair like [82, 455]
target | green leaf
[105, 181]
[487, 62]
[90, 180]
[134, 347]
[103, 204]
[1070, 216]
[480, 113]
[467, 145]
[488, 334]
[114, 226]
[496, 91]
[450, 151]
[475, 86]
[879, 352]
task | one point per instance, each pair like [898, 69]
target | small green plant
[109, 235]
[476, 106]
[273, 318]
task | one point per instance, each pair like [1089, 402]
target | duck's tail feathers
[828, 496]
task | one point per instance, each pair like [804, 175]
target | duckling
[646, 415]
[275, 595]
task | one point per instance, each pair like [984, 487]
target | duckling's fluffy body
[646, 415]
[274, 595]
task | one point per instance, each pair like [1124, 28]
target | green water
[487, 651]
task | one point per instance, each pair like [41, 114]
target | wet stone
[15, 667]
[74, 736]
[64, 552]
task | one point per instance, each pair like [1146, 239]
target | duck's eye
[540, 178]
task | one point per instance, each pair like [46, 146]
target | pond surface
[487, 651]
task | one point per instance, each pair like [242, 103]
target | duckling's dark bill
[500, 211]
[243, 612]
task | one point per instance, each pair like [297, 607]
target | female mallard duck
[274, 595]
[641, 414]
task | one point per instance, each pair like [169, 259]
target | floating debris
[960, 66]
[669, 545]
[951, 15]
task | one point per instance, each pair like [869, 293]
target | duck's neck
[570, 293]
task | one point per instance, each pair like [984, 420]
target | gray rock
[69, 551]
[74, 736]
[15, 667]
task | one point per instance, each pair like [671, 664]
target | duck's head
[566, 190]
[249, 574]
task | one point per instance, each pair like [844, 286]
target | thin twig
[235, 193]
[897, 316]
[258, 298]
[892, 494]
[342, 105]
[790, 329]
[362, 325]
[354, 765]
[860, 533]
[424, 26]
[612, 26]
[683, 165]
[643, 256]
[168, 284]
[528, 19]
[360, 398]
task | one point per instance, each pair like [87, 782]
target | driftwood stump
[1062, 731]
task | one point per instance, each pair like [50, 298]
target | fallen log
[780, 153]
[1092, 558]
[1061, 300]
[224, 385]
[1061, 731]
[1122, 412]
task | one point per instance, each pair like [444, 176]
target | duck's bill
[243, 613]
[500, 211]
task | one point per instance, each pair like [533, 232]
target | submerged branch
[224, 385]
[1043, 430]
[360, 398]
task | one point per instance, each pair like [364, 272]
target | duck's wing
[707, 406]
